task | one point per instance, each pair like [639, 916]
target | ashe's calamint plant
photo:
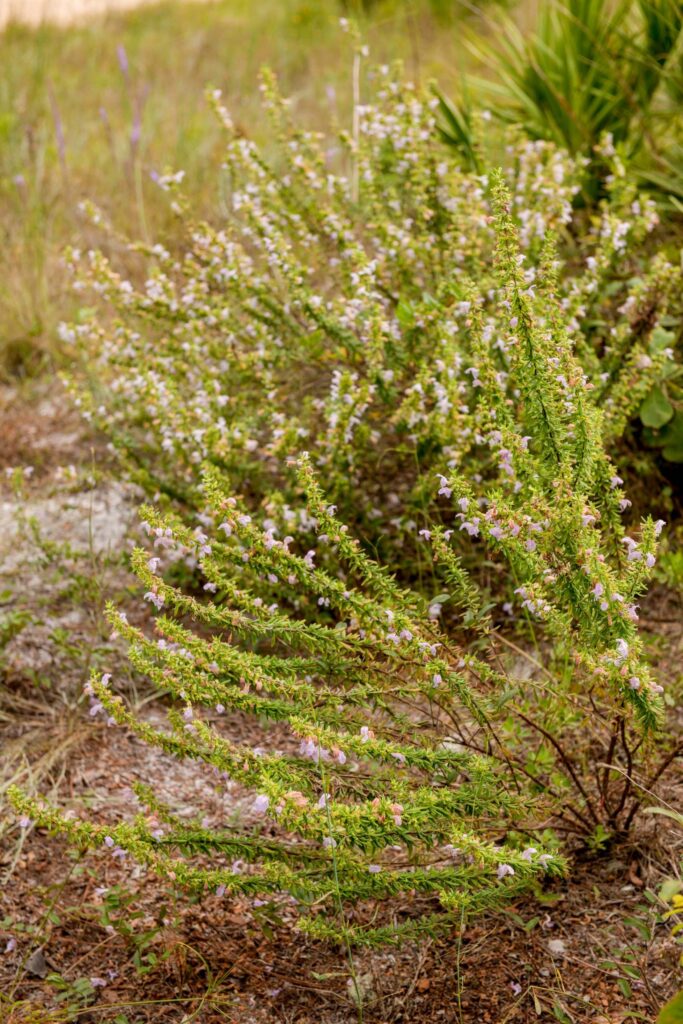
[408, 761]
[331, 309]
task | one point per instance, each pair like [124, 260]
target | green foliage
[369, 281]
[672, 1013]
[662, 411]
[74, 996]
[117, 913]
[456, 128]
[592, 70]
[656, 410]
[360, 396]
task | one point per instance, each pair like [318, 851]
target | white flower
[260, 804]
[622, 649]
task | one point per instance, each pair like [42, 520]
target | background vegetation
[91, 111]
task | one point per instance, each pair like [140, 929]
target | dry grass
[90, 111]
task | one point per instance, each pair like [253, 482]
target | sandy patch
[63, 12]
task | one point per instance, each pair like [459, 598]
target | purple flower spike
[122, 58]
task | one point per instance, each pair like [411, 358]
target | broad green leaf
[672, 1013]
[671, 435]
[405, 313]
[656, 410]
[661, 339]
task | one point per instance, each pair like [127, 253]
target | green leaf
[656, 410]
[517, 918]
[670, 887]
[661, 339]
[405, 313]
[671, 435]
[672, 454]
[640, 926]
[674, 815]
[560, 1013]
[672, 1013]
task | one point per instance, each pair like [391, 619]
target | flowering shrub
[412, 760]
[367, 800]
[344, 305]
[396, 778]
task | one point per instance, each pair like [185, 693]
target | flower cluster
[348, 304]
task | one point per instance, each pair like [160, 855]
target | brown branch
[565, 761]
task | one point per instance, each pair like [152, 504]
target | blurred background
[95, 98]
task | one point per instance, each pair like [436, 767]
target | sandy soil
[64, 12]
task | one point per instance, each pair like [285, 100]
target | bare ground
[215, 963]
